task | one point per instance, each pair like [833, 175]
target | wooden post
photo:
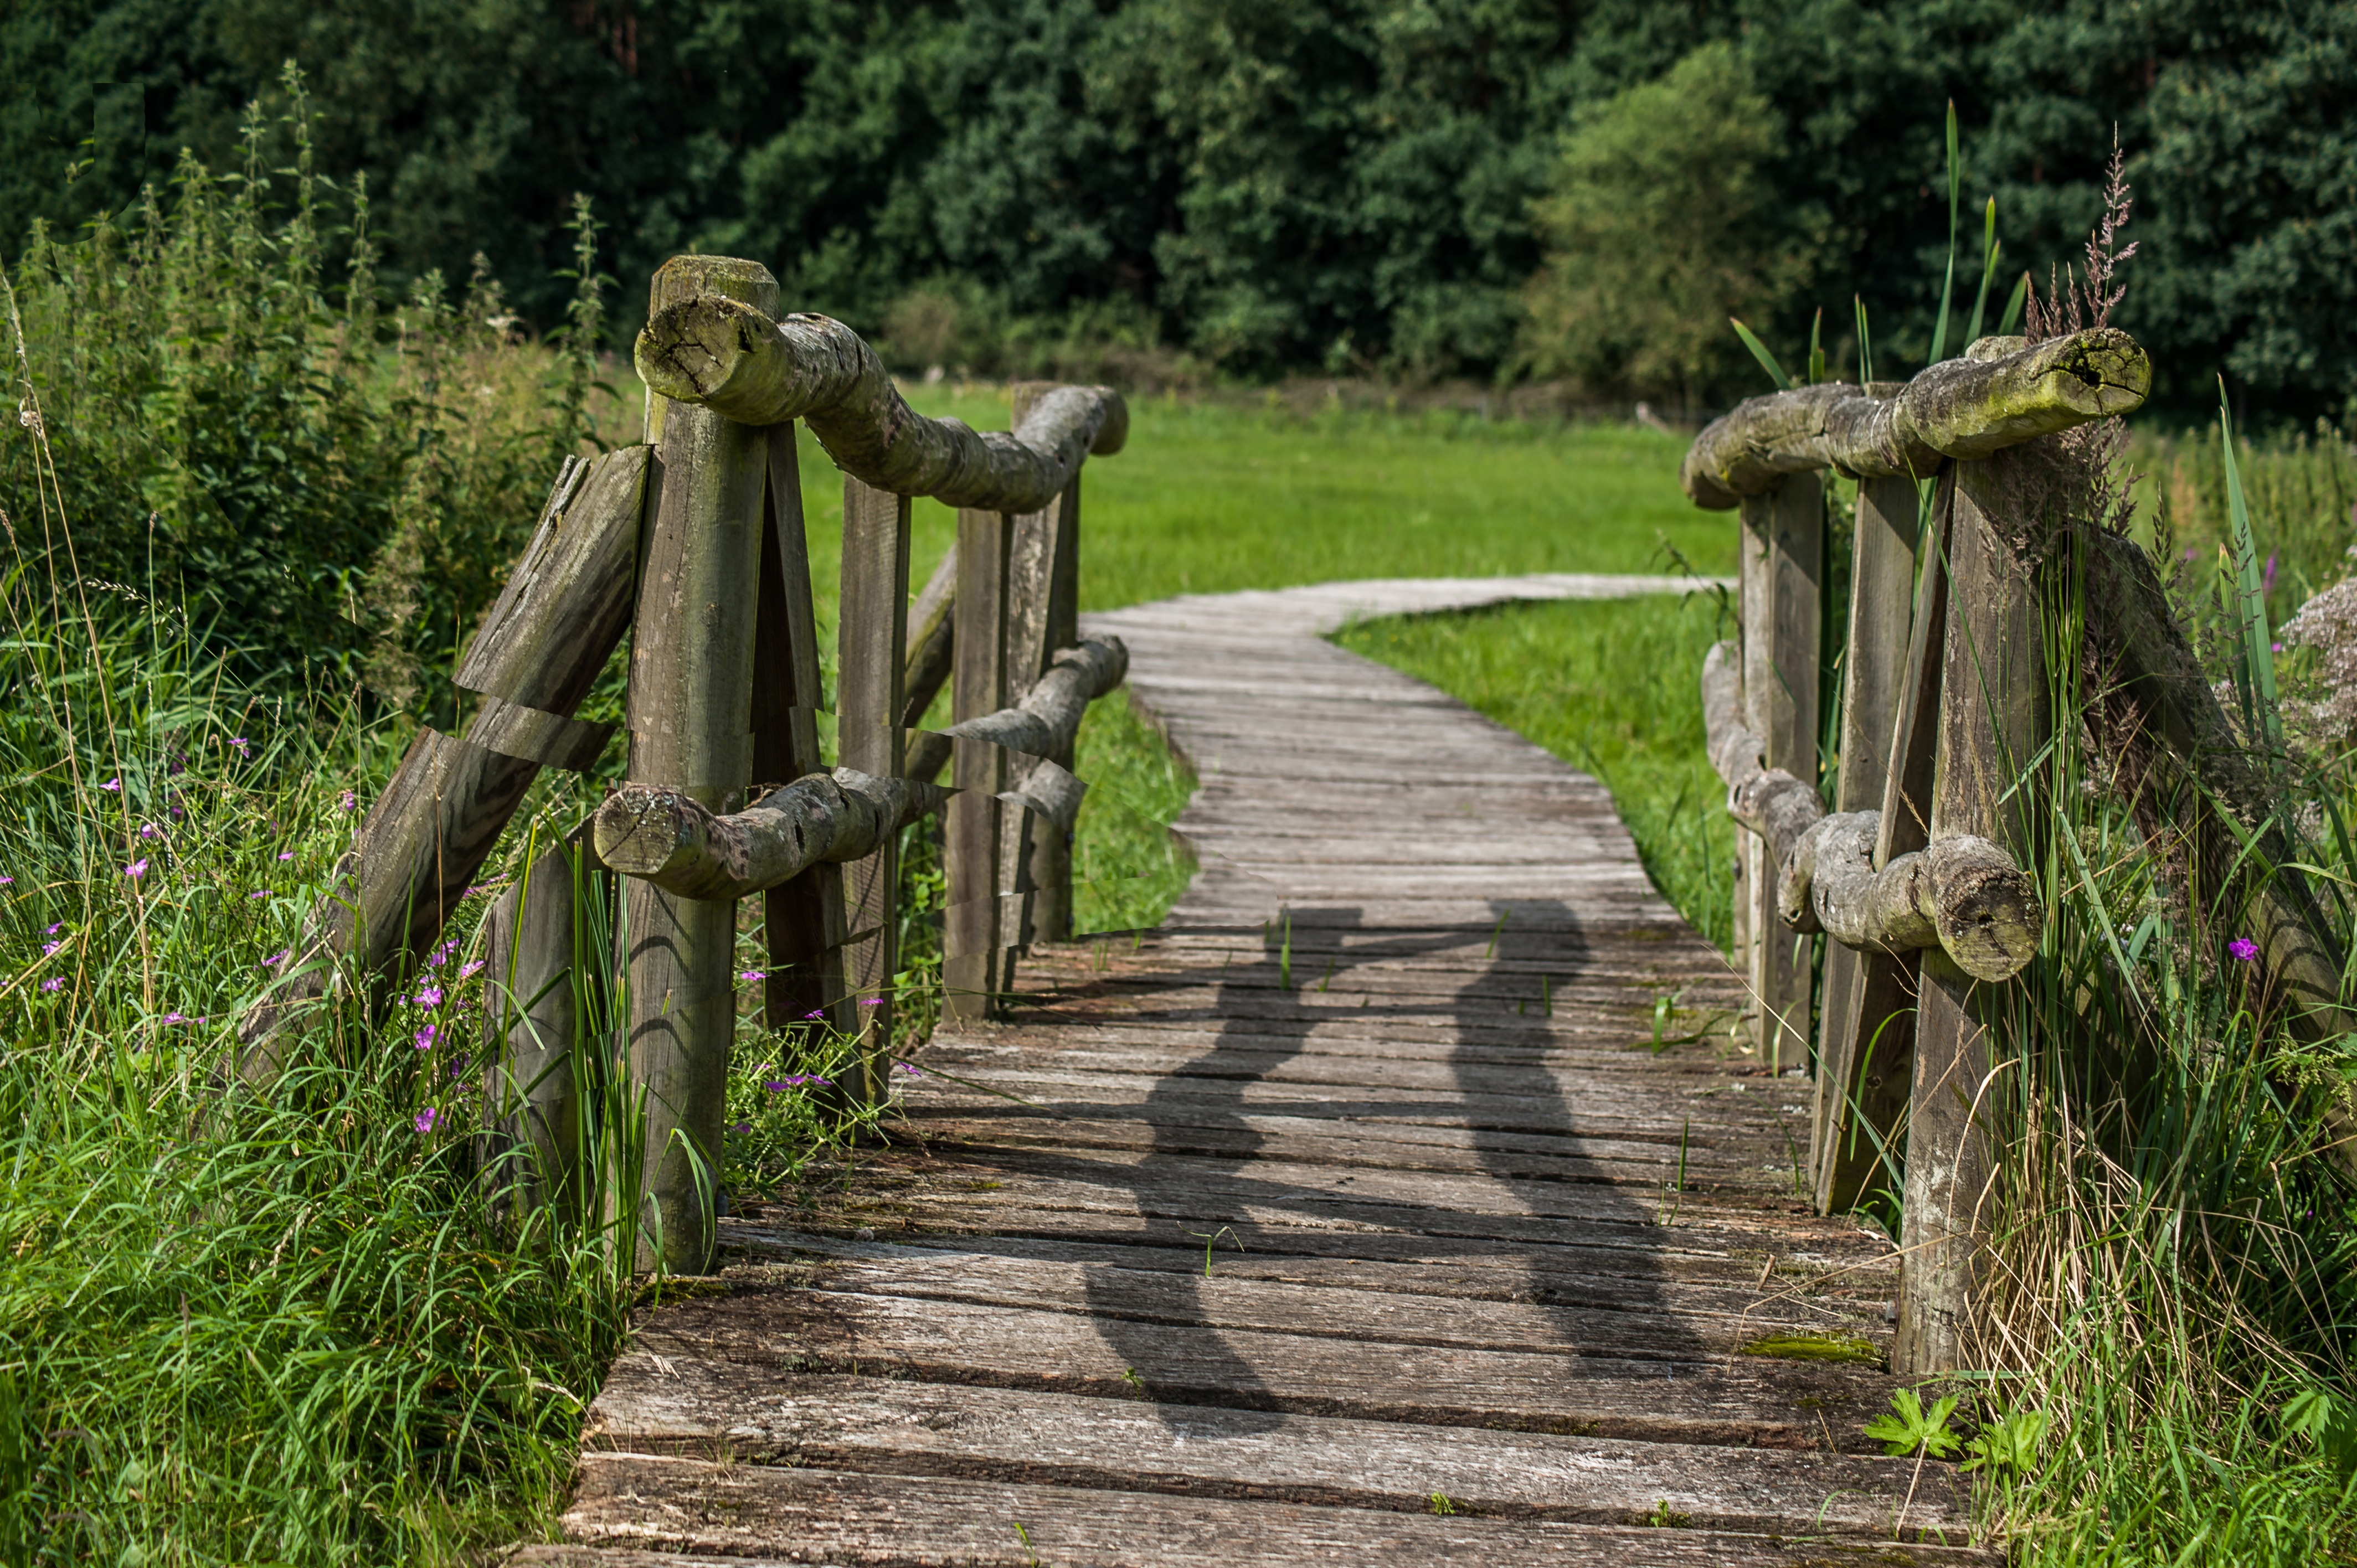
[1043, 617]
[539, 957]
[870, 670]
[1993, 719]
[1881, 600]
[1785, 530]
[974, 936]
[691, 730]
[802, 921]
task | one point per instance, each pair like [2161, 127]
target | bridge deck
[1342, 1221]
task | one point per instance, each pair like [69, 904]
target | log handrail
[667, 838]
[1044, 719]
[733, 359]
[2002, 392]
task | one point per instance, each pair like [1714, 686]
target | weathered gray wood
[974, 944]
[871, 664]
[1783, 545]
[1963, 894]
[1043, 617]
[539, 956]
[932, 637]
[666, 837]
[427, 836]
[1993, 720]
[803, 919]
[645, 1504]
[982, 1433]
[691, 707]
[1861, 1001]
[737, 361]
[2002, 392]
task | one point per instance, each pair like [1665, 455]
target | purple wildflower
[468, 970]
[287, 855]
[871, 1001]
[240, 742]
[54, 982]
[778, 1086]
[53, 929]
[173, 1018]
[815, 1013]
[48, 948]
[348, 800]
[275, 960]
[752, 974]
[115, 784]
[8, 882]
[426, 1038]
[431, 996]
[2267, 576]
[744, 1126]
[425, 1120]
[911, 1070]
[149, 831]
[136, 869]
[259, 893]
[2244, 949]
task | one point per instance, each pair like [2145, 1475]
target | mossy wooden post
[1043, 617]
[1993, 720]
[691, 730]
[870, 697]
[975, 938]
[1784, 534]
[802, 921]
[1863, 1009]
[540, 955]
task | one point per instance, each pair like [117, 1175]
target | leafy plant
[1909, 1428]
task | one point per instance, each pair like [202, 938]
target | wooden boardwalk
[1340, 1221]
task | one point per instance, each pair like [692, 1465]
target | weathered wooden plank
[803, 920]
[1740, 1402]
[1993, 720]
[974, 972]
[994, 1434]
[1636, 1328]
[660, 1504]
[870, 665]
[539, 955]
[689, 719]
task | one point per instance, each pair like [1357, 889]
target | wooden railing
[1934, 788]
[694, 541]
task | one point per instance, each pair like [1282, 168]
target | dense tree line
[1281, 184]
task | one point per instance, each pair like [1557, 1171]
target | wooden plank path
[1353, 1218]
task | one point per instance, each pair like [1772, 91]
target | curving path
[1355, 1217]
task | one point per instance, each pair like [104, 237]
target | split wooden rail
[1901, 831]
[693, 542]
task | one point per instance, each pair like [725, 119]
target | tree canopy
[1327, 184]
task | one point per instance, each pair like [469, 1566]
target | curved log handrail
[737, 361]
[665, 837]
[2002, 392]
[1044, 719]
[1962, 895]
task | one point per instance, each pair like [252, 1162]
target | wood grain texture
[2000, 393]
[1993, 721]
[871, 663]
[974, 944]
[539, 957]
[733, 358]
[1474, 1228]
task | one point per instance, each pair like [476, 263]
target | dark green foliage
[1339, 183]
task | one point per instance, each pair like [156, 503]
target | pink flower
[53, 929]
[275, 960]
[48, 948]
[425, 1120]
[426, 1038]
[112, 784]
[348, 800]
[136, 869]
[238, 741]
[2244, 948]
[149, 830]
[871, 1001]
[262, 892]
[54, 982]
[468, 970]
[8, 882]
[173, 1018]
[743, 1127]
[752, 974]
[815, 1013]
[910, 1068]
[431, 996]
[289, 854]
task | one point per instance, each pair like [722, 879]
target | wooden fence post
[691, 730]
[870, 673]
[1784, 535]
[1864, 1007]
[1993, 720]
[974, 935]
[1043, 617]
[538, 957]
[803, 920]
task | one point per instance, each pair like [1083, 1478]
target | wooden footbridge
[1423, 1189]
